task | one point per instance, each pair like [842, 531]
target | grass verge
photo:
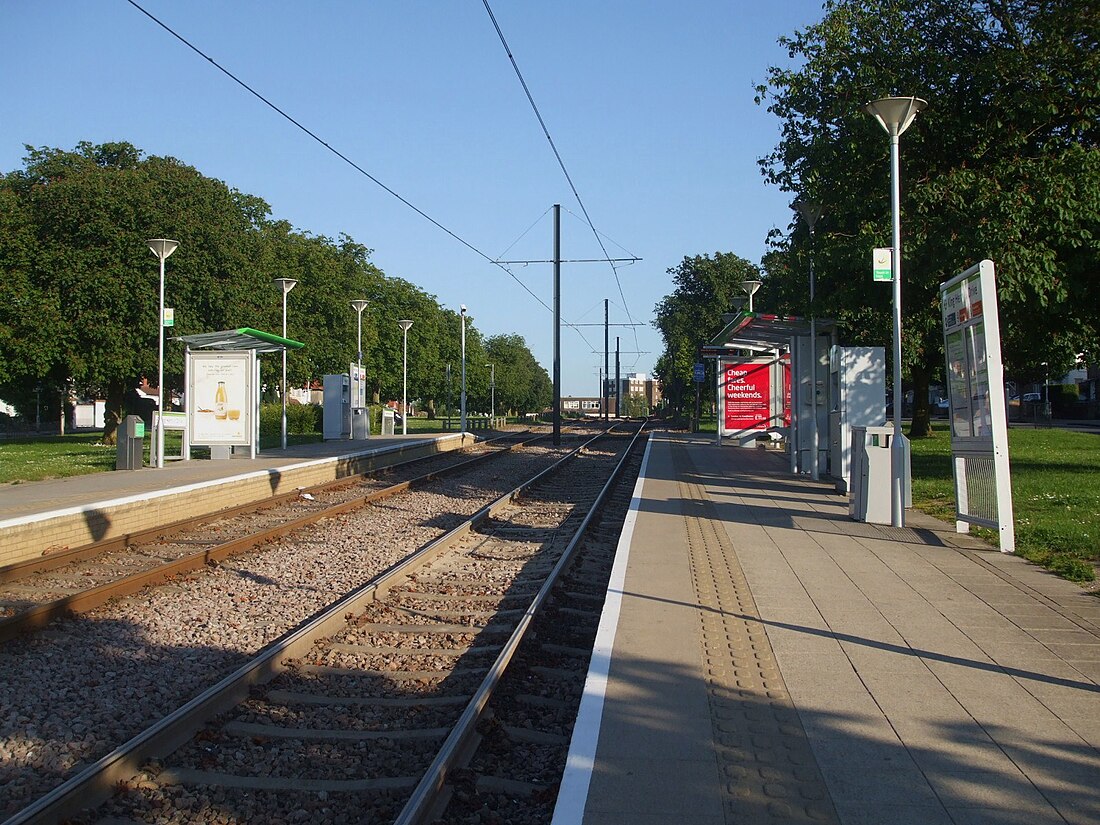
[1055, 495]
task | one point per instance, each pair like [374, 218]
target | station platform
[762, 658]
[43, 517]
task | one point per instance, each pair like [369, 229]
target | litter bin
[871, 481]
[360, 423]
[131, 439]
[388, 420]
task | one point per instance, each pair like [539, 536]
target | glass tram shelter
[774, 382]
[222, 389]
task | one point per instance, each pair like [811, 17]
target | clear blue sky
[649, 102]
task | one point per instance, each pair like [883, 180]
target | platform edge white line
[573, 791]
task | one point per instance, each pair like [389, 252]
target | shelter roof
[757, 331]
[244, 338]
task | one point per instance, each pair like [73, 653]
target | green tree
[82, 287]
[79, 288]
[523, 385]
[1004, 164]
[706, 288]
[635, 406]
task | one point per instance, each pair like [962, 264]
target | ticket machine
[336, 402]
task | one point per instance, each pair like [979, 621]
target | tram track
[34, 593]
[404, 645]
[73, 691]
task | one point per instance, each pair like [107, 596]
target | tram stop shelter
[222, 388]
[765, 368]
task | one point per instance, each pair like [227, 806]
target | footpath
[765, 659]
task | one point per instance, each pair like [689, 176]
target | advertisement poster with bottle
[218, 398]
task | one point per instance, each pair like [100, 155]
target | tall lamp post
[359, 304]
[811, 212]
[162, 248]
[751, 287]
[285, 284]
[404, 324]
[462, 415]
[492, 390]
[894, 114]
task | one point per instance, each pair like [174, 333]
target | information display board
[976, 395]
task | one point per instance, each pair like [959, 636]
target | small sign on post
[169, 317]
[699, 373]
[882, 264]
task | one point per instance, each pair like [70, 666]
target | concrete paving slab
[920, 699]
[880, 813]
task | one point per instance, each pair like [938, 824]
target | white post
[492, 392]
[897, 454]
[895, 114]
[286, 284]
[359, 304]
[405, 375]
[463, 411]
[160, 374]
[810, 212]
[162, 248]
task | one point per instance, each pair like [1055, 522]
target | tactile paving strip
[769, 771]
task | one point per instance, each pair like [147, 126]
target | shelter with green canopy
[222, 381]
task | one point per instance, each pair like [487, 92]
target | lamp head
[287, 284]
[463, 308]
[809, 210]
[404, 324]
[894, 114]
[162, 247]
[359, 304]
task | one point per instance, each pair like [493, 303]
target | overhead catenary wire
[557, 154]
[335, 151]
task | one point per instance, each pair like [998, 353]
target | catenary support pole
[557, 325]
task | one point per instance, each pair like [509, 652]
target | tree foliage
[1004, 164]
[706, 288]
[523, 385]
[79, 288]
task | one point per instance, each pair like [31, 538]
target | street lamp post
[404, 324]
[462, 415]
[1046, 385]
[751, 287]
[162, 248]
[285, 284]
[359, 304]
[894, 114]
[492, 390]
[811, 212]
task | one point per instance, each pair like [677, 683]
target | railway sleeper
[390, 675]
[193, 776]
[254, 729]
[510, 787]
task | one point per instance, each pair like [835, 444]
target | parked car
[942, 407]
[1031, 396]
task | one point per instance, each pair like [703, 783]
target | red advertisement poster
[747, 395]
[786, 361]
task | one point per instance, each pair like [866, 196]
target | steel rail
[22, 569]
[97, 782]
[426, 804]
[41, 615]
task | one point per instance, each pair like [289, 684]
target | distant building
[585, 405]
[637, 383]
